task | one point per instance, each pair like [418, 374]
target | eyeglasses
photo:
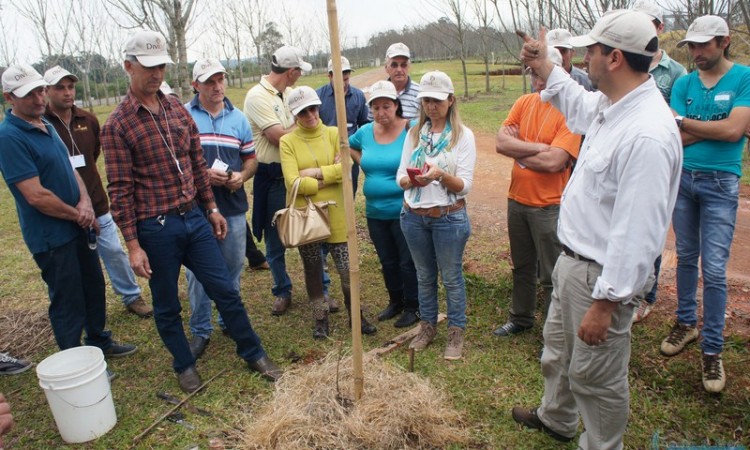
[395, 65]
[312, 109]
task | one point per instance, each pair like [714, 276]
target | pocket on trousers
[595, 364]
[729, 186]
[150, 226]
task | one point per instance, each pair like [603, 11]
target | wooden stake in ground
[346, 171]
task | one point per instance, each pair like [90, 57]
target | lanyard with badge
[218, 163]
[77, 159]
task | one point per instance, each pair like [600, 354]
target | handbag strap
[290, 198]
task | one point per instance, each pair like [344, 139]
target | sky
[358, 19]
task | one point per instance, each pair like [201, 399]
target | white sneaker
[642, 311]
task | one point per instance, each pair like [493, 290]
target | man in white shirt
[628, 168]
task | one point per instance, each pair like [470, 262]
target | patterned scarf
[432, 149]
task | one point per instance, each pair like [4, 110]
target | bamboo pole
[346, 170]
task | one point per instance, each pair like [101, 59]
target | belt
[437, 211]
[182, 209]
[575, 255]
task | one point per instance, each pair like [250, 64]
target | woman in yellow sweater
[310, 153]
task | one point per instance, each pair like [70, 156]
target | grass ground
[666, 394]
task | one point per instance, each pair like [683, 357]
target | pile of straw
[398, 410]
[25, 332]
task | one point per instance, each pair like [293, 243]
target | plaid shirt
[144, 180]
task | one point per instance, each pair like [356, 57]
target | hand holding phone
[414, 172]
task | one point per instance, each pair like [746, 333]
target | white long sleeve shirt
[618, 203]
[459, 162]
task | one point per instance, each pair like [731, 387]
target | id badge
[220, 165]
[77, 161]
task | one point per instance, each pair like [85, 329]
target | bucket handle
[86, 406]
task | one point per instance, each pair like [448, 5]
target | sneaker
[509, 329]
[11, 366]
[642, 311]
[455, 344]
[714, 377]
[117, 350]
[140, 308]
[680, 336]
[427, 332]
[529, 419]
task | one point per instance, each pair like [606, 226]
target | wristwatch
[211, 211]
[678, 120]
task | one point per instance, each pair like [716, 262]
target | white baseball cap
[288, 57]
[398, 49]
[57, 73]
[302, 97]
[436, 85]
[559, 37]
[345, 66]
[626, 30]
[649, 9]
[20, 79]
[206, 68]
[705, 28]
[149, 48]
[382, 89]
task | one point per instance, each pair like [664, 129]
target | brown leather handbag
[303, 225]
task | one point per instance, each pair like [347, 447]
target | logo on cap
[155, 46]
[21, 75]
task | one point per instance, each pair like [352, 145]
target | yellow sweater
[306, 148]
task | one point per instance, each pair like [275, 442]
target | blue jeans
[399, 273]
[76, 292]
[232, 248]
[171, 241]
[651, 296]
[703, 221]
[116, 261]
[275, 250]
[438, 244]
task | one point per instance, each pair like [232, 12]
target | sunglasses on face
[395, 65]
[309, 110]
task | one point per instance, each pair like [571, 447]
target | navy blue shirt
[356, 108]
[27, 152]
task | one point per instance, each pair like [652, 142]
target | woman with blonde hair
[436, 173]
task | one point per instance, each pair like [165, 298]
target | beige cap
[149, 48]
[649, 9]
[436, 85]
[345, 66]
[288, 57]
[382, 89]
[57, 73]
[626, 30]
[705, 28]
[398, 49]
[206, 68]
[559, 37]
[20, 79]
[302, 97]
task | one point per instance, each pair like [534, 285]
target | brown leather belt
[437, 211]
[575, 255]
[182, 209]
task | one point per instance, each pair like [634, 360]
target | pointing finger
[523, 35]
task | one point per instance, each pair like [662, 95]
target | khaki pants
[580, 379]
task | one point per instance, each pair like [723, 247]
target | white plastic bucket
[77, 388]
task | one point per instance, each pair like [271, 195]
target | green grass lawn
[495, 375]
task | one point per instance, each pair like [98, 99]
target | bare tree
[253, 14]
[9, 43]
[50, 21]
[485, 29]
[172, 18]
[458, 19]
